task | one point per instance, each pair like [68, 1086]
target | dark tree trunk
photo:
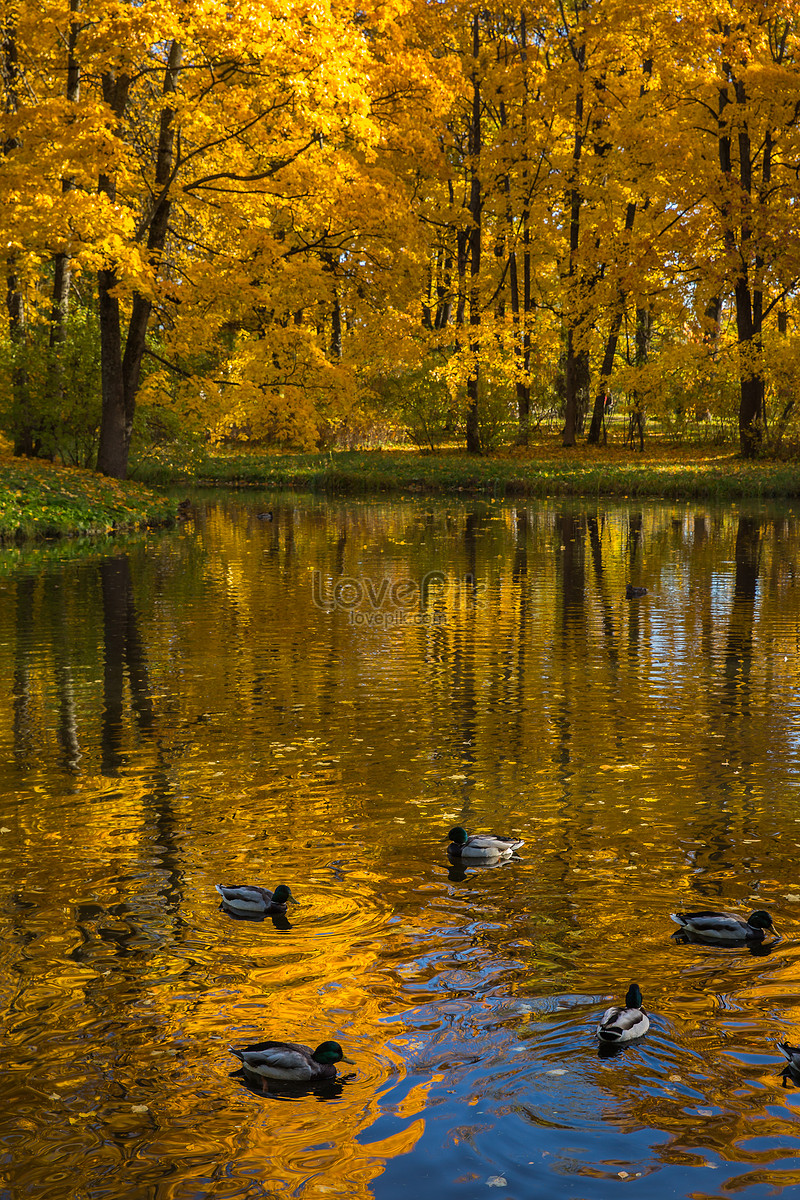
[747, 293]
[112, 454]
[474, 445]
[521, 322]
[599, 410]
[336, 327]
[444, 303]
[598, 424]
[121, 375]
[644, 325]
[15, 304]
[62, 262]
[573, 368]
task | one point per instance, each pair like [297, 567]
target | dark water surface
[315, 699]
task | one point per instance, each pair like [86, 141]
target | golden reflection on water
[202, 708]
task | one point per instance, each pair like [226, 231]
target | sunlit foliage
[278, 212]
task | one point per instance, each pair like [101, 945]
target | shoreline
[39, 500]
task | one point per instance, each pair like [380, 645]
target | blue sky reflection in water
[316, 701]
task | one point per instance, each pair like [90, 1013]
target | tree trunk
[112, 453]
[62, 262]
[444, 284]
[598, 412]
[330, 262]
[336, 327]
[573, 368]
[474, 445]
[748, 298]
[121, 376]
[522, 340]
[15, 303]
[644, 326]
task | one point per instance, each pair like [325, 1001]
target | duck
[622, 1024]
[290, 1062]
[634, 593]
[793, 1056]
[721, 927]
[249, 900]
[481, 845]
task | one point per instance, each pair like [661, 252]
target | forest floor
[41, 500]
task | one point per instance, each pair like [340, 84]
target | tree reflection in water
[180, 711]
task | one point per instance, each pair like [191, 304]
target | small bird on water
[793, 1056]
[252, 901]
[624, 1023]
[720, 928]
[481, 845]
[290, 1062]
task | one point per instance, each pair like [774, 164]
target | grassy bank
[546, 469]
[41, 500]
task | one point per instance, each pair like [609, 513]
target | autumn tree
[490, 260]
[745, 105]
[237, 166]
[269, 208]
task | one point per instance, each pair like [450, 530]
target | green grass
[40, 500]
[544, 470]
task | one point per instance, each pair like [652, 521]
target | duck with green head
[290, 1062]
[625, 1022]
[247, 900]
[721, 928]
[481, 845]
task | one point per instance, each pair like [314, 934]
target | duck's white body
[624, 1023]
[483, 845]
[722, 927]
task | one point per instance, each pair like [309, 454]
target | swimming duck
[633, 593]
[288, 1062]
[793, 1055]
[481, 845]
[719, 927]
[624, 1024]
[254, 901]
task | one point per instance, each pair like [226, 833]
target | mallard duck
[288, 1062]
[793, 1055]
[254, 901]
[724, 927]
[481, 845]
[623, 1024]
[634, 593]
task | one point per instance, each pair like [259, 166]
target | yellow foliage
[346, 190]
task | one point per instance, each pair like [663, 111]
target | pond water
[315, 699]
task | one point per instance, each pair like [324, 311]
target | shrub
[420, 401]
[50, 403]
